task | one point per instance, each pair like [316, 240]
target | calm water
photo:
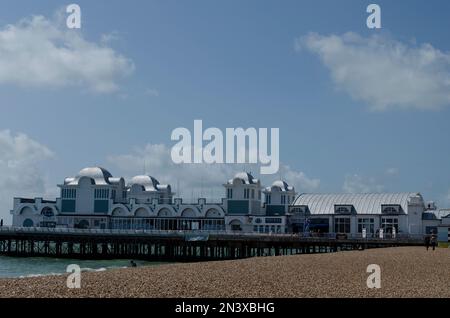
[38, 266]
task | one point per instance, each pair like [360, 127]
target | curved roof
[148, 182]
[367, 203]
[99, 175]
[282, 185]
[245, 177]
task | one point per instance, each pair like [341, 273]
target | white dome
[245, 177]
[100, 176]
[281, 184]
[148, 182]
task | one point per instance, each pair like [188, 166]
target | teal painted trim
[273, 210]
[101, 206]
[68, 206]
[238, 207]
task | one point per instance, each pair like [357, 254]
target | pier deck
[175, 245]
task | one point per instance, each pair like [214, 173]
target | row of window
[285, 199]
[267, 228]
[101, 193]
[392, 209]
[274, 220]
[247, 194]
[342, 225]
[68, 193]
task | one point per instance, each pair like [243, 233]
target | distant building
[95, 199]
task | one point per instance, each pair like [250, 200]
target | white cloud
[20, 176]
[37, 52]
[196, 180]
[152, 92]
[299, 179]
[383, 72]
[358, 184]
[392, 171]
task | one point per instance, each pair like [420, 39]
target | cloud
[392, 171]
[152, 92]
[196, 180]
[20, 176]
[382, 72]
[358, 184]
[37, 52]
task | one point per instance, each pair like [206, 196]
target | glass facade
[368, 224]
[387, 224]
[167, 224]
[342, 225]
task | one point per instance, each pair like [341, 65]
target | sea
[21, 267]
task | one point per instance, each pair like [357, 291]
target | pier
[175, 246]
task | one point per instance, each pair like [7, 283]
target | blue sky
[235, 64]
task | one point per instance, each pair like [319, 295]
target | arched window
[342, 210]
[390, 210]
[47, 212]
[28, 223]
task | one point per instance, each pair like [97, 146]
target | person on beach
[433, 240]
[427, 241]
[133, 264]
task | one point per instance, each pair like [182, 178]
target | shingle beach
[405, 272]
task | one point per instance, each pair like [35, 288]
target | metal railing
[182, 233]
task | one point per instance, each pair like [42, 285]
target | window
[387, 224]
[342, 225]
[253, 193]
[229, 193]
[283, 199]
[267, 198]
[101, 193]
[259, 195]
[273, 220]
[68, 193]
[342, 209]
[246, 193]
[298, 210]
[390, 209]
[368, 224]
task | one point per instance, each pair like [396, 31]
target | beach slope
[405, 272]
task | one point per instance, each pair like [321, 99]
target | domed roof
[281, 184]
[99, 175]
[245, 177]
[148, 182]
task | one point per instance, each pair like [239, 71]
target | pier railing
[223, 233]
